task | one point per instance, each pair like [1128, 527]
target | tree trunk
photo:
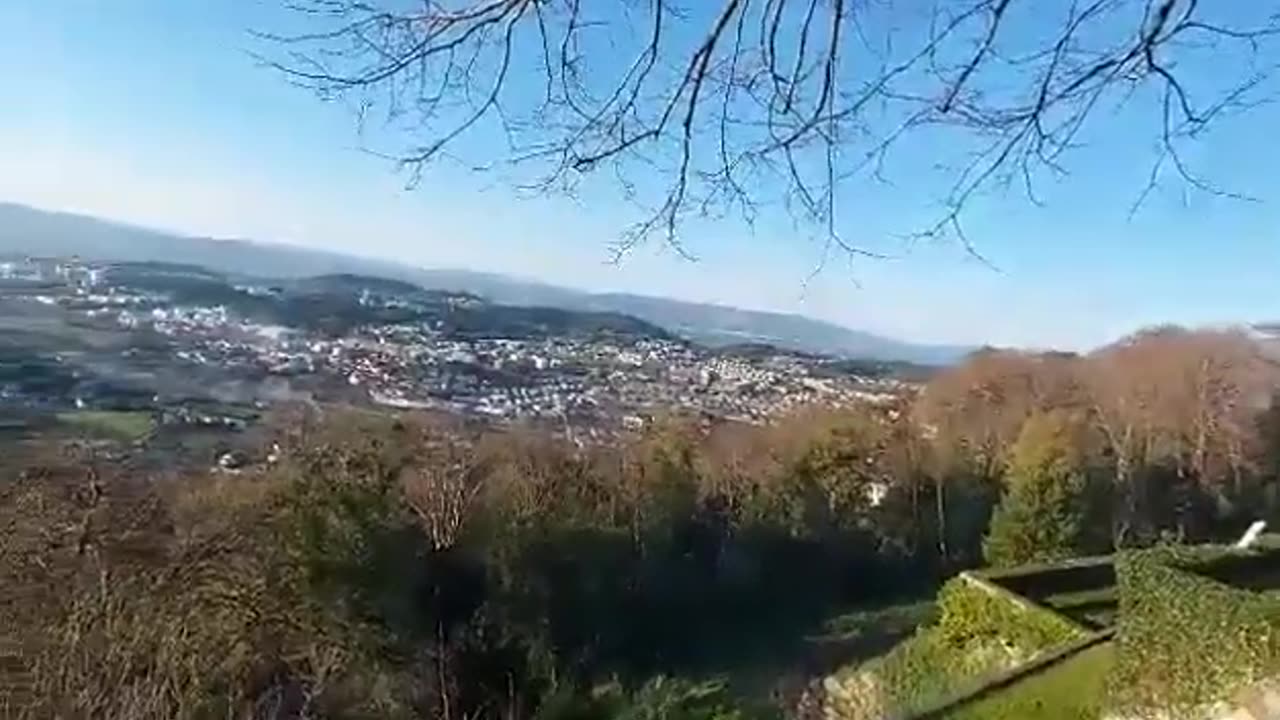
[941, 506]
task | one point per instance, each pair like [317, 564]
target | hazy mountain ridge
[26, 230]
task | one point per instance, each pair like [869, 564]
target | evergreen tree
[1042, 513]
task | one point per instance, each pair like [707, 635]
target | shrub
[222, 627]
[1184, 640]
[974, 613]
[980, 630]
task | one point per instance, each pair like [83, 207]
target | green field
[1074, 689]
[119, 425]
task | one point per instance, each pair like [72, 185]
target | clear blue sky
[152, 111]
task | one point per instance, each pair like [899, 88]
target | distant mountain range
[27, 230]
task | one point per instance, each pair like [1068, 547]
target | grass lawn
[1071, 690]
[121, 425]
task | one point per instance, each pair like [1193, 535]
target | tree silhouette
[709, 107]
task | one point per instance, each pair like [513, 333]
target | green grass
[914, 672]
[1096, 607]
[120, 425]
[919, 671]
[1071, 690]
[978, 634]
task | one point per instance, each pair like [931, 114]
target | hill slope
[29, 230]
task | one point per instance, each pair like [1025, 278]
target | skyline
[157, 116]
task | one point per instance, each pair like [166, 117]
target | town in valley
[184, 345]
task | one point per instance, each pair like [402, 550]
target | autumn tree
[443, 482]
[1123, 393]
[977, 409]
[1182, 402]
[972, 414]
[1226, 383]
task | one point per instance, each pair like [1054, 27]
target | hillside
[28, 230]
[336, 304]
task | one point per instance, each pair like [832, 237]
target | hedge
[976, 612]
[1041, 581]
[1184, 640]
[981, 630]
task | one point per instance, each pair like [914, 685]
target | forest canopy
[423, 566]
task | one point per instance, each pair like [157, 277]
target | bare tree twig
[741, 105]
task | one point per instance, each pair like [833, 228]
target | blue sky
[153, 111]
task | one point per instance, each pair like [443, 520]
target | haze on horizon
[157, 115]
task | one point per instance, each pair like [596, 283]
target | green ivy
[1185, 640]
[980, 631]
[973, 614]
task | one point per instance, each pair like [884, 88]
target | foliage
[979, 631]
[213, 622]
[415, 566]
[1042, 515]
[662, 698]
[406, 567]
[1071, 690]
[973, 613]
[1184, 639]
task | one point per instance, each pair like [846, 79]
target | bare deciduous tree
[443, 487]
[728, 106]
[978, 408]
[1122, 398]
[1184, 399]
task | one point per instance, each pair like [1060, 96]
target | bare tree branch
[702, 108]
